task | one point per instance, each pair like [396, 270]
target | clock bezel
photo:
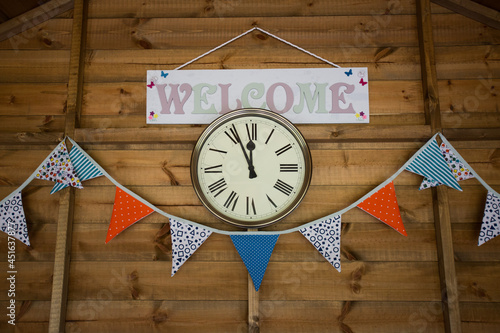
[241, 113]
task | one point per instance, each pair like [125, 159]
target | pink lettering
[338, 96]
[174, 97]
[270, 97]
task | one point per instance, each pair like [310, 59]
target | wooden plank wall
[388, 283]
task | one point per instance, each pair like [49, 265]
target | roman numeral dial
[250, 167]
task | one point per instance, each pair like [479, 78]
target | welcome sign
[309, 95]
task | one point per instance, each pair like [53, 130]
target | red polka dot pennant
[126, 211]
[384, 206]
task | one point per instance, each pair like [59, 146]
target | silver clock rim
[239, 113]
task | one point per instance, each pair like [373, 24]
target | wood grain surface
[388, 283]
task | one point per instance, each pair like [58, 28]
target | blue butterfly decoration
[163, 74]
[348, 73]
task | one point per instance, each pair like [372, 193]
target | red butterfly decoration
[363, 83]
[151, 85]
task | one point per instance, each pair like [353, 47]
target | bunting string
[287, 231]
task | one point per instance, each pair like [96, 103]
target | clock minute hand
[250, 164]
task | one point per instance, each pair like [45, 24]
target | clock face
[251, 167]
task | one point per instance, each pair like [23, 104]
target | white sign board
[306, 95]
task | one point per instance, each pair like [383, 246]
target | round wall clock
[251, 167]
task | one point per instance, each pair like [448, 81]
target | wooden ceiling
[10, 9]
[484, 11]
[493, 4]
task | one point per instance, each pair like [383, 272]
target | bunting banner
[58, 168]
[84, 168]
[126, 211]
[430, 163]
[13, 220]
[440, 164]
[460, 172]
[255, 251]
[186, 239]
[325, 237]
[383, 205]
[490, 228]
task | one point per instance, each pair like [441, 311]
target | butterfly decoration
[163, 74]
[151, 85]
[348, 73]
[363, 83]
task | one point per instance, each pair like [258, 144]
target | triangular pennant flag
[431, 164]
[58, 168]
[84, 168]
[384, 206]
[13, 220]
[459, 170]
[325, 236]
[186, 239]
[490, 228]
[255, 251]
[126, 211]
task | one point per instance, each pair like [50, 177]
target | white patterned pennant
[490, 228]
[58, 168]
[325, 236]
[186, 239]
[84, 168]
[13, 220]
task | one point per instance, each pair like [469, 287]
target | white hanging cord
[298, 47]
[247, 32]
[215, 49]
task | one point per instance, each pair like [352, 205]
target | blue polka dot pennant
[431, 164]
[490, 228]
[255, 251]
[325, 236]
[186, 239]
[13, 220]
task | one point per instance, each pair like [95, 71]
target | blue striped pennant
[430, 163]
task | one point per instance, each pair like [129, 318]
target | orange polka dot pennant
[384, 206]
[126, 211]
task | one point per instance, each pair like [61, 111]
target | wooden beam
[57, 319]
[473, 11]
[444, 242]
[253, 319]
[33, 17]
[253, 308]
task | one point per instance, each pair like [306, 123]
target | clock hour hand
[251, 147]
[250, 164]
